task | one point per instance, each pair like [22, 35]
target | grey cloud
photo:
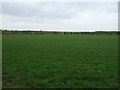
[53, 10]
[60, 15]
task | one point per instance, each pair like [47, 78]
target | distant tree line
[55, 32]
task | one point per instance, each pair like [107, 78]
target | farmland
[60, 61]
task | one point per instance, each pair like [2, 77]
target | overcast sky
[72, 16]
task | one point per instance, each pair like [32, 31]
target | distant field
[60, 61]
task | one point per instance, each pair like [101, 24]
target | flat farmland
[60, 61]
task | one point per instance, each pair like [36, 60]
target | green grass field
[60, 61]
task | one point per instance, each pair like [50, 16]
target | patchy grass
[60, 61]
[9, 84]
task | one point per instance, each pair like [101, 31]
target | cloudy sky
[65, 16]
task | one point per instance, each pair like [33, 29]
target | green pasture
[60, 61]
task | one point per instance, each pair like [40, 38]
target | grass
[60, 61]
